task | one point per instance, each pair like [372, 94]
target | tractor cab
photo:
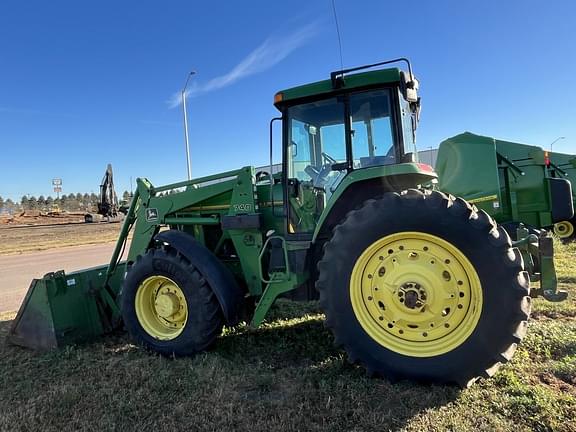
[334, 127]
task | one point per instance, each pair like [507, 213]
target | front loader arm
[64, 308]
[177, 205]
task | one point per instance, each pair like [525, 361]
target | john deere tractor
[414, 283]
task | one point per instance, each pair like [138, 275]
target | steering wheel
[318, 175]
[328, 158]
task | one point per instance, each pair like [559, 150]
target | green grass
[287, 376]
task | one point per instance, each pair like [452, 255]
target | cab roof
[364, 79]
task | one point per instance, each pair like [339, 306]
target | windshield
[317, 144]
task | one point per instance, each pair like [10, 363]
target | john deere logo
[151, 214]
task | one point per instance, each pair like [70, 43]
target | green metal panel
[384, 76]
[564, 166]
[247, 241]
[529, 186]
[272, 211]
[467, 166]
[506, 179]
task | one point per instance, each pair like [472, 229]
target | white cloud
[272, 51]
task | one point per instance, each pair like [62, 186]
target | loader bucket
[62, 309]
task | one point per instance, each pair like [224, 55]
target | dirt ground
[32, 217]
[18, 270]
[14, 240]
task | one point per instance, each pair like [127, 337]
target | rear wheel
[565, 230]
[422, 286]
[167, 305]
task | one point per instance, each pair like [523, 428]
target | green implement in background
[513, 182]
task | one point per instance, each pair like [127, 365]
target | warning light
[425, 167]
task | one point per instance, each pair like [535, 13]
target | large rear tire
[423, 286]
[168, 306]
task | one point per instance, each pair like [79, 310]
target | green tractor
[415, 284]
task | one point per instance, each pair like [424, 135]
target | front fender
[217, 275]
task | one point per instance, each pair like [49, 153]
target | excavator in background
[108, 209]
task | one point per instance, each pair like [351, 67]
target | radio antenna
[338, 32]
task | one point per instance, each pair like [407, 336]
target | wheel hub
[564, 229]
[161, 307]
[416, 294]
[167, 304]
[412, 295]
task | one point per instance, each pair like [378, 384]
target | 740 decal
[243, 207]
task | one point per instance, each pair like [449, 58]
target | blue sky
[83, 84]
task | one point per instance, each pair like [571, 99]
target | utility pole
[557, 139]
[186, 123]
[57, 185]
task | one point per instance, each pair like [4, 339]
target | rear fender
[363, 184]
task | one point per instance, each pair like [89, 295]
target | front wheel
[168, 306]
[424, 287]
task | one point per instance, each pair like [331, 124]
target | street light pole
[186, 124]
[557, 139]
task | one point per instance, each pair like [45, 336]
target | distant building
[428, 156]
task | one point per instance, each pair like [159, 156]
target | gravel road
[17, 271]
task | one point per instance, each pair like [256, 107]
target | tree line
[71, 202]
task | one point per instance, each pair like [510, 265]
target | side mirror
[412, 90]
[409, 87]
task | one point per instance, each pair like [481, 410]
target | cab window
[316, 140]
[372, 138]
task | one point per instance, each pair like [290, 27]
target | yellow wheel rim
[161, 307]
[564, 229]
[416, 294]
